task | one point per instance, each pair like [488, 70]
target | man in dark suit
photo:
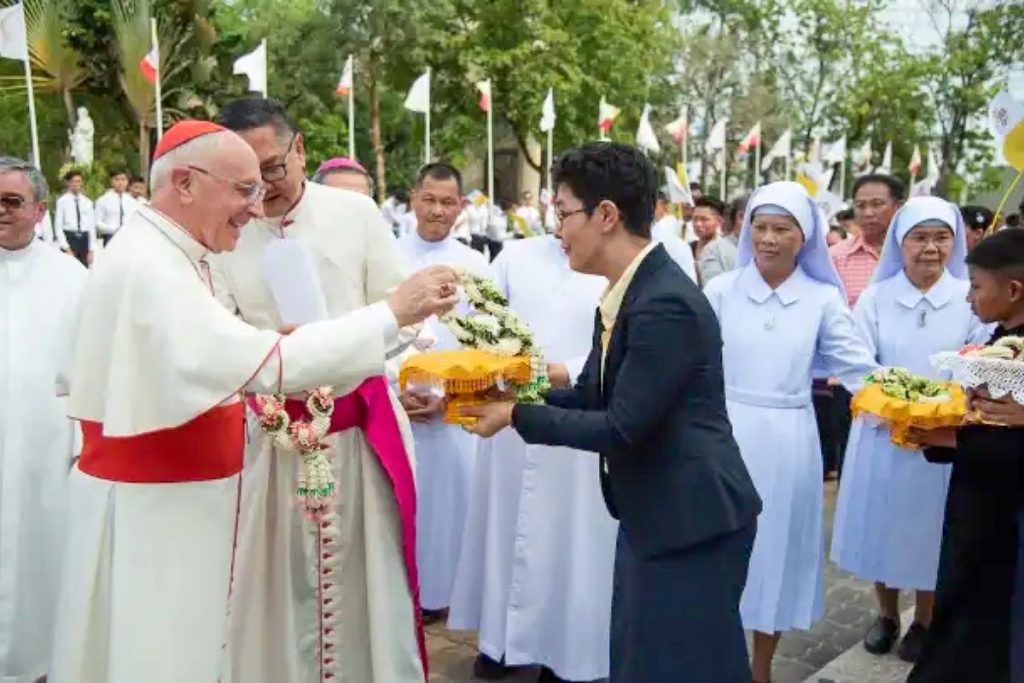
[650, 401]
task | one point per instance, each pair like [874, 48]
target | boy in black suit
[650, 400]
[970, 636]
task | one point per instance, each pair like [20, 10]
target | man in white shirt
[74, 217]
[530, 214]
[39, 292]
[714, 253]
[138, 190]
[114, 207]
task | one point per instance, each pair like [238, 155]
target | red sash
[208, 447]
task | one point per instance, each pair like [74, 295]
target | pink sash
[369, 407]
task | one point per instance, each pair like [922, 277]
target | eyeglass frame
[6, 200]
[254, 192]
[283, 166]
[560, 217]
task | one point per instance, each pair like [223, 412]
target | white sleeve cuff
[382, 313]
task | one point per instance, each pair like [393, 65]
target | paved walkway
[802, 656]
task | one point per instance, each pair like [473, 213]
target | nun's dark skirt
[677, 617]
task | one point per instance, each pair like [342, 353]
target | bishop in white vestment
[156, 383]
[39, 294]
[535, 570]
[295, 607]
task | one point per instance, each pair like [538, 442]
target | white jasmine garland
[496, 329]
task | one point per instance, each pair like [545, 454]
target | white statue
[81, 139]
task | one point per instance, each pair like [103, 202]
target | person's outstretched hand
[491, 418]
[430, 291]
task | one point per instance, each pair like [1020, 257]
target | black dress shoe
[549, 676]
[432, 616]
[882, 635]
[910, 647]
[486, 669]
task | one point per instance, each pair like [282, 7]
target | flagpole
[159, 96]
[490, 145]
[686, 133]
[551, 145]
[32, 113]
[842, 175]
[725, 160]
[426, 121]
[789, 164]
[757, 162]
[352, 119]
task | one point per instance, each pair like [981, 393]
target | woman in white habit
[783, 313]
[888, 525]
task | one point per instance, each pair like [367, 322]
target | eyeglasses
[12, 202]
[561, 216]
[253, 192]
[273, 174]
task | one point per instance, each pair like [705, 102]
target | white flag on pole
[678, 192]
[834, 152]
[861, 158]
[13, 39]
[716, 138]
[886, 167]
[780, 150]
[418, 99]
[547, 112]
[254, 66]
[645, 136]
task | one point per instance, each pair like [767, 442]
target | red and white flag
[606, 115]
[915, 162]
[345, 82]
[150, 65]
[485, 94]
[678, 129]
[752, 140]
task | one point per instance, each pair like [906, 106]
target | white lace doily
[1001, 377]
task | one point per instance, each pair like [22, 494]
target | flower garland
[496, 329]
[316, 485]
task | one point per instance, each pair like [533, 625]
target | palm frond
[46, 22]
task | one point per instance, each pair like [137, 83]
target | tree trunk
[375, 137]
[69, 106]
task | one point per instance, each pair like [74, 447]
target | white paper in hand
[290, 271]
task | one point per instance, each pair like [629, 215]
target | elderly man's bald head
[211, 186]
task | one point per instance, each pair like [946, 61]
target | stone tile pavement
[849, 609]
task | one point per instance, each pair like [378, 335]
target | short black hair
[612, 171]
[118, 171]
[737, 207]
[255, 112]
[694, 185]
[72, 174]
[439, 170]
[897, 190]
[845, 215]
[137, 179]
[1013, 220]
[709, 202]
[1001, 253]
[977, 217]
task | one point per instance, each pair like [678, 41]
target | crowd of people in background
[829, 299]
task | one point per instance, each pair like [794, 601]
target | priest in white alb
[535, 572]
[39, 295]
[445, 453]
[335, 596]
[159, 367]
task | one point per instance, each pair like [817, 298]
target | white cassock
[39, 296]
[888, 525]
[535, 571]
[159, 366]
[445, 453]
[298, 615]
[802, 323]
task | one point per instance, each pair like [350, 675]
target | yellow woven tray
[901, 415]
